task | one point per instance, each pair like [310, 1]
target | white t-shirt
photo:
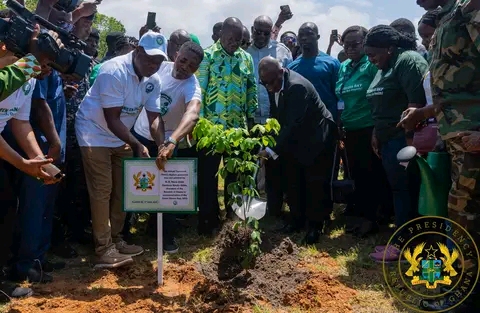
[116, 85]
[17, 105]
[176, 94]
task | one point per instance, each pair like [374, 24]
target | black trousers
[308, 194]
[366, 170]
[73, 203]
[275, 186]
[8, 209]
[209, 208]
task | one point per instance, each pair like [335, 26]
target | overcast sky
[198, 16]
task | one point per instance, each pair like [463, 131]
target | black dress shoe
[365, 229]
[313, 236]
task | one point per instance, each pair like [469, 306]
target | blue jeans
[398, 180]
[36, 203]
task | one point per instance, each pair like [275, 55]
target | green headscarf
[195, 39]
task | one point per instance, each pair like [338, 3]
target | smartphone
[335, 32]
[51, 169]
[285, 8]
[151, 17]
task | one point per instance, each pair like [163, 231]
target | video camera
[17, 32]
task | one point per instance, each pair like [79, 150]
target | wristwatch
[170, 140]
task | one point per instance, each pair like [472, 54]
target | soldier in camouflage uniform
[455, 72]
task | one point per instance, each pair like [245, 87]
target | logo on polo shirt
[26, 88]
[149, 88]
[165, 101]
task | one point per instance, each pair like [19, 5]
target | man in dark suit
[304, 146]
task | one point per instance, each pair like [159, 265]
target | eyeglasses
[260, 33]
[352, 45]
[266, 84]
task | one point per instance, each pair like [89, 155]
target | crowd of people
[145, 96]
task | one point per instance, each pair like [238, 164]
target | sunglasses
[246, 43]
[289, 39]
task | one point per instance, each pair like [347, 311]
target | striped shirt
[229, 89]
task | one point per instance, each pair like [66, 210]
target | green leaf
[236, 226]
[255, 235]
[254, 249]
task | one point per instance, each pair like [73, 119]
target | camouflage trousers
[464, 196]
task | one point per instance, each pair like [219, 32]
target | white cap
[154, 43]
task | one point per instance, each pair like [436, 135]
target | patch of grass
[309, 251]
[203, 256]
[348, 256]
[336, 233]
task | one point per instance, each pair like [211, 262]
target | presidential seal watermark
[438, 267]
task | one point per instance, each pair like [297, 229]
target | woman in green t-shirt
[397, 86]
[355, 117]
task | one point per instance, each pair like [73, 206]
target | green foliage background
[105, 24]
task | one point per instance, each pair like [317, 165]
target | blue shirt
[50, 89]
[322, 72]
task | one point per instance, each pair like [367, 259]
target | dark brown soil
[278, 277]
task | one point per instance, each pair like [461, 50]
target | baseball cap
[154, 43]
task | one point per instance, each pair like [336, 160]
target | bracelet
[171, 140]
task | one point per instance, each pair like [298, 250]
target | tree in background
[105, 24]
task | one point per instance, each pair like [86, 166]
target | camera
[17, 32]
[67, 5]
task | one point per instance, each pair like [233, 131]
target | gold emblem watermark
[438, 267]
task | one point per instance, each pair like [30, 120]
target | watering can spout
[435, 176]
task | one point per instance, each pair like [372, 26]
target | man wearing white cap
[124, 86]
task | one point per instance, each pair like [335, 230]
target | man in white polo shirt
[124, 86]
[180, 99]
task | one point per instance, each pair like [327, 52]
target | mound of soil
[280, 277]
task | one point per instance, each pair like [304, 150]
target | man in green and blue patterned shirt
[229, 93]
